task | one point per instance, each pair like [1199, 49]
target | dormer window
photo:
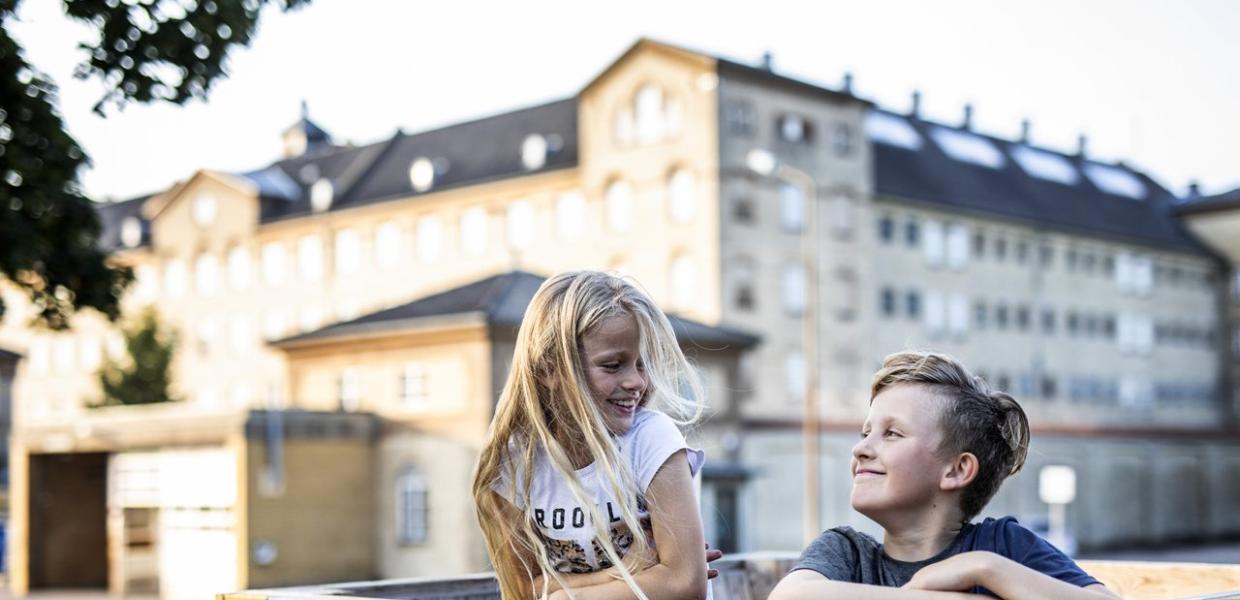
[131, 232]
[205, 209]
[534, 152]
[794, 129]
[321, 195]
[422, 174]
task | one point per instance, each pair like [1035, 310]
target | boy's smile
[896, 466]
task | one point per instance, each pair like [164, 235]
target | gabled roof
[1218, 202]
[501, 301]
[467, 153]
[930, 175]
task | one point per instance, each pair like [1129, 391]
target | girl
[584, 473]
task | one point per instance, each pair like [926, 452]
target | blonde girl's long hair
[546, 406]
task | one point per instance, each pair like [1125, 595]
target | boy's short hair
[988, 423]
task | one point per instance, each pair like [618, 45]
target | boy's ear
[960, 472]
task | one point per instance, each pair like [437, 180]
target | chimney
[1025, 126]
[848, 80]
[1194, 190]
[968, 117]
[1081, 145]
[915, 112]
[768, 61]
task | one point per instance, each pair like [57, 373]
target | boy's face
[896, 466]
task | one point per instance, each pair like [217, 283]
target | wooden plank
[1166, 581]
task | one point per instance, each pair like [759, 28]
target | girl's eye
[891, 433]
[641, 366]
[611, 366]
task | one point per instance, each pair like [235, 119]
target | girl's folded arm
[681, 569]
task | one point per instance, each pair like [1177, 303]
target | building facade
[1067, 281]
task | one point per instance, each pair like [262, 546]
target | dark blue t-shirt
[844, 554]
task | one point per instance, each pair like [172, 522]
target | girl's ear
[960, 472]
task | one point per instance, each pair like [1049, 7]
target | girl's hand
[711, 556]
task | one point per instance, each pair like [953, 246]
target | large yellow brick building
[346, 318]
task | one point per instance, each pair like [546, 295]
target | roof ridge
[355, 174]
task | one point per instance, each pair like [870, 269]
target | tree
[144, 377]
[151, 51]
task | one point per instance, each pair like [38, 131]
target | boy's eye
[891, 433]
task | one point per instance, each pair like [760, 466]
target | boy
[934, 448]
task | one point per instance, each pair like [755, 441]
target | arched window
[474, 231]
[412, 511]
[681, 196]
[570, 215]
[520, 224]
[683, 282]
[619, 204]
[648, 108]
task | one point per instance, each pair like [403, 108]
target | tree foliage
[149, 51]
[144, 376]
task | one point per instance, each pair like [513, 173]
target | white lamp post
[1057, 488]
[765, 164]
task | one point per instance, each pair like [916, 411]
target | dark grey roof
[502, 300]
[929, 175]
[1224, 201]
[737, 70]
[112, 216]
[466, 153]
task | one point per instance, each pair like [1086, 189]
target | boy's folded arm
[808, 585]
[1004, 577]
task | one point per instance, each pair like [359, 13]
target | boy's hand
[956, 574]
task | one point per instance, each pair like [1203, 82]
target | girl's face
[614, 370]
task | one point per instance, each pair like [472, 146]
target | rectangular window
[412, 508]
[886, 232]
[349, 390]
[1000, 248]
[887, 302]
[794, 285]
[979, 314]
[1046, 255]
[1022, 318]
[958, 315]
[791, 208]
[741, 118]
[1022, 251]
[936, 318]
[979, 245]
[1049, 387]
[413, 389]
[957, 246]
[1074, 323]
[1048, 320]
[912, 232]
[1001, 316]
[912, 301]
[932, 244]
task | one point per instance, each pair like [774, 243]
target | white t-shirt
[565, 525]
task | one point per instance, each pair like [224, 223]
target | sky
[1153, 83]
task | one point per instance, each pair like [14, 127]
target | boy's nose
[862, 449]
